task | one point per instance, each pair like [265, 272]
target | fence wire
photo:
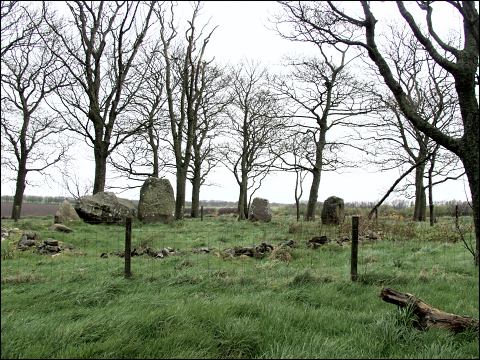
[193, 251]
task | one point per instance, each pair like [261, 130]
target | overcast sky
[243, 34]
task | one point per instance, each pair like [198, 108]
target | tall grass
[78, 305]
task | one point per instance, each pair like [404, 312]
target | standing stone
[157, 202]
[104, 207]
[333, 211]
[65, 213]
[260, 210]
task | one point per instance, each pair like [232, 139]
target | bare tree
[17, 25]
[330, 24]
[255, 124]
[295, 155]
[146, 153]
[211, 118]
[325, 95]
[187, 64]
[30, 73]
[101, 41]
[431, 90]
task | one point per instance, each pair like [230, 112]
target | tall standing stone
[157, 202]
[260, 210]
[333, 211]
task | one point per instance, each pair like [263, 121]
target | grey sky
[243, 34]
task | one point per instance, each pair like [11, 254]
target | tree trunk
[317, 173]
[155, 161]
[100, 168]
[420, 197]
[312, 198]
[430, 189]
[180, 199]
[246, 204]
[242, 199]
[196, 183]
[428, 316]
[465, 87]
[472, 169]
[19, 190]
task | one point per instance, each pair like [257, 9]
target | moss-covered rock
[333, 211]
[157, 202]
[104, 207]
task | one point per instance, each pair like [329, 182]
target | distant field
[30, 209]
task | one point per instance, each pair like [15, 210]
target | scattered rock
[257, 252]
[260, 210]
[371, 235]
[51, 242]
[168, 251]
[5, 234]
[28, 239]
[157, 202]
[340, 241]
[288, 243]
[31, 235]
[317, 241]
[333, 211]
[204, 250]
[25, 243]
[49, 247]
[61, 228]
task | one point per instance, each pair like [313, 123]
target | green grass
[78, 305]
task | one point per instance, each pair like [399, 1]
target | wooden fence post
[354, 257]
[128, 246]
[201, 213]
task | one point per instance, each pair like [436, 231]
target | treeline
[403, 207]
[35, 199]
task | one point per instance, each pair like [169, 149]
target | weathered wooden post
[16, 213]
[354, 256]
[128, 246]
[201, 213]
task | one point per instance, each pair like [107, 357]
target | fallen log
[428, 316]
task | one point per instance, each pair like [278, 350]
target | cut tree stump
[428, 316]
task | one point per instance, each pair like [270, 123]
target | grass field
[300, 305]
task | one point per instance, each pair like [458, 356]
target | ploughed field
[195, 291]
[29, 209]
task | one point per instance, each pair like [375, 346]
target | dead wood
[427, 315]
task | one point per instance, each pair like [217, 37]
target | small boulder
[25, 243]
[317, 241]
[50, 242]
[61, 228]
[30, 235]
